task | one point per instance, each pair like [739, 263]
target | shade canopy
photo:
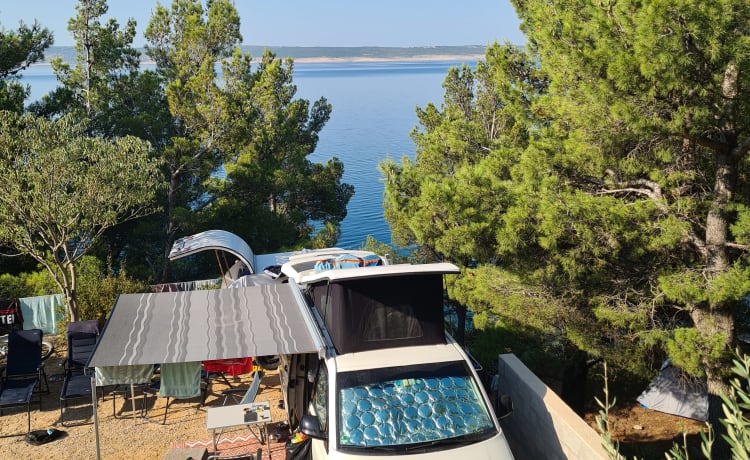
[174, 327]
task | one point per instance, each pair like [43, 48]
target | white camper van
[384, 379]
[391, 381]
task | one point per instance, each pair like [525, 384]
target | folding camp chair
[248, 394]
[23, 370]
[184, 383]
[82, 337]
[219, 369]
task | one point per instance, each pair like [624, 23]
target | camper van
[391, 381]
[386, 378]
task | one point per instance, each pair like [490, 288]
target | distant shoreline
[363, 59]
[324, 54]
[431, 57]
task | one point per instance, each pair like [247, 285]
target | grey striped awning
[174, 327]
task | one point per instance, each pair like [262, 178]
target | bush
[26, 285]
[97, 292]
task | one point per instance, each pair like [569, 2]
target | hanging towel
[128, 375]
[42, 312]
[180, 380]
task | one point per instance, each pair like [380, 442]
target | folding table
[255, 415]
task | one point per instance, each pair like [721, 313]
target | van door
[297, 374]
[320, 409]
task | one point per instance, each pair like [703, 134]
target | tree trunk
[709, 323]
[73, 302]
[718, 318]
[171, 226]
[573, 388]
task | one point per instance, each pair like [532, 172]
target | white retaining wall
[542, 426]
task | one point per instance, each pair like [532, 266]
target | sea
[374, 111]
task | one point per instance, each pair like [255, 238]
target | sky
[313, 23]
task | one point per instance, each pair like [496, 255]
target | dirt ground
[123, 437]
[648, 434]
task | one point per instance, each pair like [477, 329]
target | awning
[173, 327]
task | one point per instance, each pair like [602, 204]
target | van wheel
[268, 362]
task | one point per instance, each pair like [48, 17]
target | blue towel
[42, 312]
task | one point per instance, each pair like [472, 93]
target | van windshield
[411, 405]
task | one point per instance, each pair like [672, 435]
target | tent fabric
[42, 312]
[253, 280]
[674, 393]
[382, 312]
[174, 327]
[187, 285]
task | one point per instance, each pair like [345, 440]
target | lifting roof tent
[222, 240]
[214, 239]
[381, 307]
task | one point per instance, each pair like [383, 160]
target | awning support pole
[221, 269]
[96, 415]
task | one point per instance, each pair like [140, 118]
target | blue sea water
[374, 110]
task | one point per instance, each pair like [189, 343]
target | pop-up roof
[382, 307]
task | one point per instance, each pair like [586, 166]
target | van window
[411, 406]
[320, 397]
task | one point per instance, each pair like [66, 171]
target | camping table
[234, 415]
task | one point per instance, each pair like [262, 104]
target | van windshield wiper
[459, 441]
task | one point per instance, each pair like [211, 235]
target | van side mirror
[504, 406]
[310, 426]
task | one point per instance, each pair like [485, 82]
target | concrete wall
[542, 426]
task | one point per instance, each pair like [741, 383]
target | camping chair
[219, 369]
[82, 337]
[249, 394]
[23, 370]
[176, 381]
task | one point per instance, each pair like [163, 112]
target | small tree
[18, 50]
[63, 189]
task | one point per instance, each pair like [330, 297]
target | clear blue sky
[314, 23]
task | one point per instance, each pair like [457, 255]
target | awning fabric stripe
[172, 327]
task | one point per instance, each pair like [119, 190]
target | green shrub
[97, 292]
[12, 286]
[27, 285]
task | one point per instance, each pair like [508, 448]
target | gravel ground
[124, 437]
